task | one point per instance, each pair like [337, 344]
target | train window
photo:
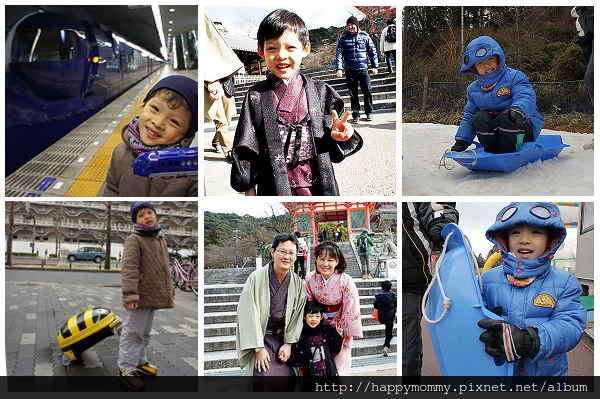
[37, 45]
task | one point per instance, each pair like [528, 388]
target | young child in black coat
[315, 350]
[386, 303]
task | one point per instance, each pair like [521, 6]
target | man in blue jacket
[354, 47]
[501, 104]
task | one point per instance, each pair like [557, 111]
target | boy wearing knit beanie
[146, 286]
[168, 119]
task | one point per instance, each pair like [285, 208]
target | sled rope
[436, 276]
[447, 166]
[444, 163]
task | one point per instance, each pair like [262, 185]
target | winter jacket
[354, 49]
[385, 45]
[550, 303]
[509, 88]
[421, 229]
[386, 304]
[121, 182]
[146, 272]
[369, 243]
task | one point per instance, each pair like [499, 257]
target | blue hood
[481, 49]
[525, 212]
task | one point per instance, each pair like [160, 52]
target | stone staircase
[383, 87]
[220, 305]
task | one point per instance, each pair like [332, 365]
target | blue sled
[543, 148]
[456, 337]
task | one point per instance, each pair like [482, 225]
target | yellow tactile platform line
[90, 181]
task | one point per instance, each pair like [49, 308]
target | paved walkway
[371, 171]
[35, 311]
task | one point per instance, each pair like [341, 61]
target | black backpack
[363, 245]
[390, 35]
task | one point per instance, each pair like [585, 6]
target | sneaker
[147, 369]
[217, 147]
[386, 352]
[369, 277]
[131, 379]
[369, 118]
[354, 120]
[364, 276]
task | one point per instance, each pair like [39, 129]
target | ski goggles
[539, 211]
[480, 53]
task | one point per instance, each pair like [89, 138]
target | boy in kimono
[315, 351]
[289, 133]
[269, 318]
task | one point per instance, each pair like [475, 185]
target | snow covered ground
[423, 144]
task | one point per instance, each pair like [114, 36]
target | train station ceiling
[135, 23]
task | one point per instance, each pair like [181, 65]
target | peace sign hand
[341, 130]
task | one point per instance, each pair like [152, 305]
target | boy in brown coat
[146, 286]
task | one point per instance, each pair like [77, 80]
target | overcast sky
[254, 206]
[241, 20]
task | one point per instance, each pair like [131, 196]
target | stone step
[367, 296]
[366, 307]
[382, 83]
[223, 289]
[360, 364]
[378, 95]
[213, 314]
[378, 104]
[237, 288]
[226, 332]
[225, 297]
[329, 74]
[220, 307]
[227, 358]
[231, 317]
[220, 343]
[222, 317]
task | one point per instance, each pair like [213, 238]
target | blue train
[59, 71]
[168, 163]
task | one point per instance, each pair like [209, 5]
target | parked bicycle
[184, 274]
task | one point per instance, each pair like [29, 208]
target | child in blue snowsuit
[501, 104]
[540, 304]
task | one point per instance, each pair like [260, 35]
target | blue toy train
[59, 71]
[176, 162]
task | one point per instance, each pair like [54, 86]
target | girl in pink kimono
[339, 295]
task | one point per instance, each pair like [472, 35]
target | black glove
[515, 114]
[459, 146]
[507, 341]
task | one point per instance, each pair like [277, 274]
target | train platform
[76, 165]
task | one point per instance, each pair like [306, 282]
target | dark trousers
[498, 134]
[353, 79]
[364, 262]
[388, 59]
[389, 328]
[412, 343]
